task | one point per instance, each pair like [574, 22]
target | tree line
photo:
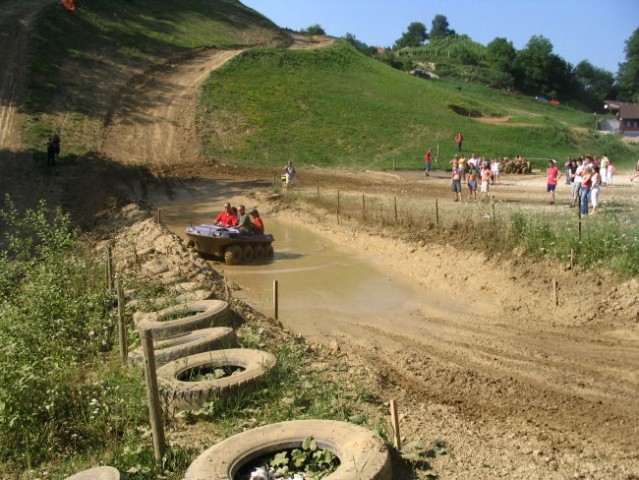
[533, 70]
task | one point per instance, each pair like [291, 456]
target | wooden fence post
[395, 424]
[153, 396]
[555, 289]
[108, 270]
[395, 199]
[276, 301]
[436, 212]
[124, 348]
[363, 206]
[338, 207]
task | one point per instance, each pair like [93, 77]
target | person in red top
[226, 217]
[553, 175]
[459, 139]
[427, 163]
[258, 224]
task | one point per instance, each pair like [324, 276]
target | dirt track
[516, 387]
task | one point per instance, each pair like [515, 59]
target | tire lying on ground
[97, 473]
[362, 454]
[190, 316]
[178, 393]
[184, 344]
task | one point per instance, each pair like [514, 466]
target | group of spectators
[586, 176]
[475, 171]
[247, 223]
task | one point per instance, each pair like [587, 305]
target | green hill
[330, 106]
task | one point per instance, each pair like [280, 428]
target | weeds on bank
[292, 390]
[609, 240]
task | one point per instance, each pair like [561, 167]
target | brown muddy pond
[325, 288]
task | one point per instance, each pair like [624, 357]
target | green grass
[335, 107]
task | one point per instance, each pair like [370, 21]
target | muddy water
[324, 289]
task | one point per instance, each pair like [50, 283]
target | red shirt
[226, 219]
[553, 172]
[427, 157]
[258, 225]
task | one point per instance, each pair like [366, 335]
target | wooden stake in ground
[124, 348]
[152, 394]
[108, 270]
[555, 289]
[276, 305]
[395, 424]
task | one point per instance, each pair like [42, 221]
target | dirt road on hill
[515, 386]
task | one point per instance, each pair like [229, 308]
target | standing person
[50, 152]
[494, 168]
[459, 139]
[553, 174]
[289, 173]
[595, 188]
[226, 217]
[586, 182]
[604, 169]
[486, 175]
[427, 164]
[567, 165]
[473, 174]
[456, 182]
[636, 172]
[56, 145]
[258, 224]
[575, 189]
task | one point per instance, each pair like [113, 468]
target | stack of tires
[197, 337]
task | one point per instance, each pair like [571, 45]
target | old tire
[362, 454]
[247, 253]
[179, 394]
[258, 253]
[197, 315]
[189, 343]
[268, 251]
[97, 473]
[233, 255]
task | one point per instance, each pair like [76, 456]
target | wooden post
[363, 206]
[338, 207]
[276, 304]
[160, 216]
[579, 225]
[555, 289]
[436, 212]
[108, 268]
[572, 260]
[124, 348]
[395, 198]
[152, 394]
[318, 195]
[492, 203]
[395, 424]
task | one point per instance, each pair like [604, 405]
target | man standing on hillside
[427, 163]
[551, 184]
[459, 139]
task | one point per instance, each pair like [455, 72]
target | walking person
[289, 174]
[595, 189]
[427, 163]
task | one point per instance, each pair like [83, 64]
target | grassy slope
[81, 60]
[337, 107]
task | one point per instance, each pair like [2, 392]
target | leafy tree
[440, 27]
[628, 75]
[315, 29]
[502, 53]
[415, 36]
[539, 71]
[596, 84]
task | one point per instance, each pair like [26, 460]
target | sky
[593, 30]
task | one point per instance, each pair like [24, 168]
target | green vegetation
[67, 402]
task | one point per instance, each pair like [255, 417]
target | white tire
[362, 454]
